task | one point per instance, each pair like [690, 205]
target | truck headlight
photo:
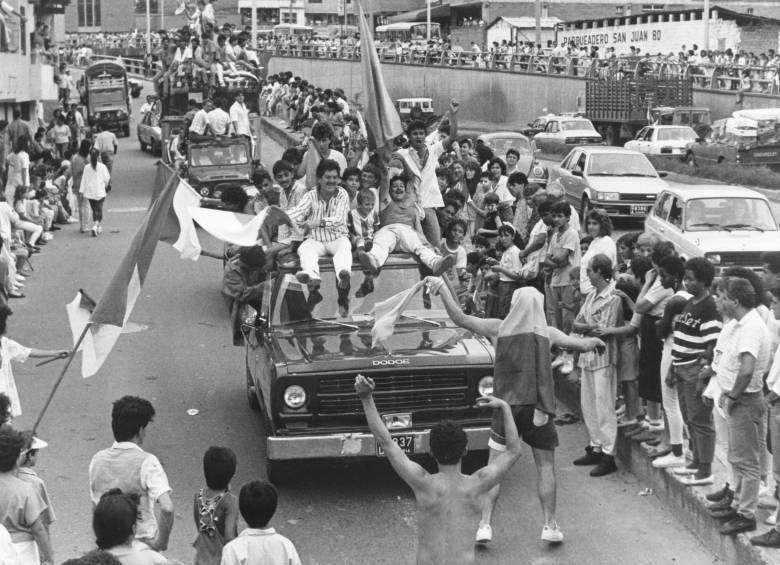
[294, 396]
[713, 258]
[485, 386]
[606, 195]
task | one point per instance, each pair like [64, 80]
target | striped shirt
[697, 327]
[332, 213]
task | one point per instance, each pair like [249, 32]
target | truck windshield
[294, 303]
[729, 214]
[210, 155]
[100, 99]
[620, 164]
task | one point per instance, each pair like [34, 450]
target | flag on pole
[238, 229]
[387, 312]
[179, 229]
[112, 311]
[382, 119]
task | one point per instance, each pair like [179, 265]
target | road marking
[130, 210]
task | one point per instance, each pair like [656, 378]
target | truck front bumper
[357, 444]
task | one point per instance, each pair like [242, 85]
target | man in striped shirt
[324, 212]
[695, 334]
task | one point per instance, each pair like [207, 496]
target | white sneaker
[771, 520]
[552, 534]
[685, 471]
[669, 460]
[484, 533]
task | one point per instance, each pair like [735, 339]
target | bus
[407, 32]
[292, 30]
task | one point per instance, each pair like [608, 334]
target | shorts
[538, 437]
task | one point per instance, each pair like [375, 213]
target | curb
[687, 504]
[276, 129]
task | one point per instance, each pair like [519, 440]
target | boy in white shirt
[259, 544]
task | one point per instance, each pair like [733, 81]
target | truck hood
[734, 241]
[337, 350]
[627, 185]
[219, 173]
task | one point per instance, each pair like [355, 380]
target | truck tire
[142, 144]
[251, 395]
[474, 461]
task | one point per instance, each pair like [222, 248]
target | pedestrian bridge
[510, 92]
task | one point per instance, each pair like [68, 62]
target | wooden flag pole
[62, 376]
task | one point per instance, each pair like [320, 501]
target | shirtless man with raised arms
[449, 503]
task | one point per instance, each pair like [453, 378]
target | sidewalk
[687, 504]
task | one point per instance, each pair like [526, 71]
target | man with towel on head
[523, 378]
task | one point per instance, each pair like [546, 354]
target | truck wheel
[584, 208]
[126, 130]
[142, 144]
[474, 461]
[251, 394]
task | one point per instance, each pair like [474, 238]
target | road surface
[177, 352]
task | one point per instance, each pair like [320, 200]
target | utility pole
[538, 18]
[428, 19]
[254, 25]
[706, 19]
[148, 28]
[162, 14]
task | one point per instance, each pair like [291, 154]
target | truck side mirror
[577, 173]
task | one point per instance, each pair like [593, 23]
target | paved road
[177, 352]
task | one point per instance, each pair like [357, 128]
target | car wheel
[142, 144]
[584, 208]
[474, 461]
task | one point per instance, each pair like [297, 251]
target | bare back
[446, 513]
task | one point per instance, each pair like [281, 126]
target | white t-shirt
[218, 120]
[748, 335]
[510, 260]
[7, 551]
[604, 245]
[260, 547]
[240, 115]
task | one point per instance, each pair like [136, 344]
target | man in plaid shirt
[324, 213]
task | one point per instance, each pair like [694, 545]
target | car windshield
[576, 124]
[500, 145]
[717, 214]
[620, 164]
[669, 134]
[295, 304]
[209, 155]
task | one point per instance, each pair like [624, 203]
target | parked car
[561, 133]
[729, 225]
[662, 140]
[301, 359]
[501, 141]
[149, 133]
[537, 125]
[743, 139]
[621, 181]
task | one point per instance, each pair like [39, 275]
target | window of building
[653, 7]
[315, 1]
[89, 13]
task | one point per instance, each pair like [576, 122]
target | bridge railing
[763, 80]
[133, 66]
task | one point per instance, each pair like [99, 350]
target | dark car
[302, 360]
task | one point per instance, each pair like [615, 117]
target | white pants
[402, 238]
[722, 443]
[669, 396]
[27, 553]
[598, 390]
[311, 250]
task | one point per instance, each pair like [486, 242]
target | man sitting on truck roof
[448, 502]
[218, 119]
[200, 125]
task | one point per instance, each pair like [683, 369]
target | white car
[622, 182]
[662, 140]
[729, 225]
[561, 133]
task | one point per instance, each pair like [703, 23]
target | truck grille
[647, 198]
[395, 393]
[741, 259]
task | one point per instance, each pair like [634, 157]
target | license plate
[405, 442]
[640, 209]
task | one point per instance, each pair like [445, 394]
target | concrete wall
[507, 100]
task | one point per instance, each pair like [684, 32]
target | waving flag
[382, 119]
[112, 311]
[387, 312]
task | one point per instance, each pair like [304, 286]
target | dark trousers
[696, 415]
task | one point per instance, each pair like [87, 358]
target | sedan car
[729, 225]
[662, 140]
[561, 133]
[621, 181]
[149, 133]
[501, 141]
